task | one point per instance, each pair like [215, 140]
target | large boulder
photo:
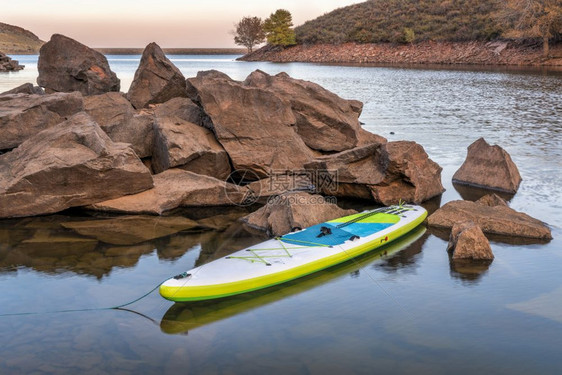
[156, 80]
[488, 167]
[255, 126]
[183, 144]
[117, 117]
[70, 164]
[499, 219]
[23, 115]
[26, 88]
[385, 173]
[176, 188]
[66, 65]
[467, 242]
[185, 109]
[293, 210]
[324, 121]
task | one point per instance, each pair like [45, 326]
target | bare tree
[249, 32]
[533, 19]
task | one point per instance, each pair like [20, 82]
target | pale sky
[135, 23]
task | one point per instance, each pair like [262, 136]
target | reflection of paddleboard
[181, 318]
[294, 255]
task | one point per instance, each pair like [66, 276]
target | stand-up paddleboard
[294, 255]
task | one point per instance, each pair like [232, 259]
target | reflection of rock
[385, 173]
[156, 80]
[71, 164]
[23, 116]
[488, 166]
[469, 271]
[130, 230]
[473, 193]
[495, 220]
[293, 210]
[66, 65]
[176, 188]
[467, 242]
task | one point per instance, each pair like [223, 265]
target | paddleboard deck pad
[294, 255]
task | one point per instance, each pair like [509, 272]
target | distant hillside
[399, 21]
[16, 40]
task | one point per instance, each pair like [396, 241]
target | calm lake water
[410, 311]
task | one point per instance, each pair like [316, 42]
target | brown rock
[489, 167]
[26, 88]
[291, 210]
[467, 241]
[71, 164]
[185, 109]
[130, 230]
[324, 121]
[117, 117]
[183, 144]
[254, 125]
[492, 200]
[279, 184]
[66, 65]
[9, 65]
[156, 80]
[386, 173]
[176, 188]
[499, 219]
[23, 116]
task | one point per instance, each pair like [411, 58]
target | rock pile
[171, 142]
[9, 65]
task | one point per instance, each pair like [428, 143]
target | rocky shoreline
[210, 141]
[9, 65]
[449, 53]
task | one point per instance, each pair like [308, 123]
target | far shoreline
[499, 53]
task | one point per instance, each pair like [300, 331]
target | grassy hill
[399, 21]
[16, 40]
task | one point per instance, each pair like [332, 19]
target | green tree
[279, 28]
[533, 19]
[249, 32]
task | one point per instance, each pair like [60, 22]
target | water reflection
[468, 271]
[473, 193]
[183, 317]
[94, 246]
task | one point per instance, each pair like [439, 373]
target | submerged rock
[176, 188]
[156, 80]
[497, 219]
[489, 167]
[23, 116]
[117, 117]
[66, 65]
[254, 125]
[467, 242]
[71, 164]
[293, 210]
[385, 173]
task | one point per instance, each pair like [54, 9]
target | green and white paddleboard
[294, 255]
